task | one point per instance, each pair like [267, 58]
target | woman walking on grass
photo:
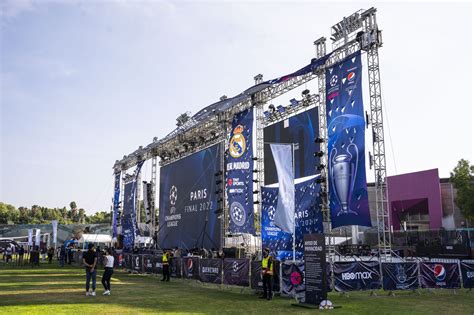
[108, 270]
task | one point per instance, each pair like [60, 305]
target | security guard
[267, 274]
[166, 266]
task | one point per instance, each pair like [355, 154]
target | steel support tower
[259, 156]
[376, 113]
[153, 208]
[320, 46]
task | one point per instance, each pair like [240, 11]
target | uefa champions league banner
[400, 276]
[440, 275]
[346, 152]
[356, 275]
[239, 174]
[127, 223]
[188, 201]
[308, 219]
[236, 272]
[467, 270]
[292, 279]
[211, 271]
[129, 220]
[115, 213]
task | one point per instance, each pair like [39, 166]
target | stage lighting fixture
[305, 92]
[254, 159]
[220, 200]
[281, 109]
[321, 167]
[267, 114]
[271, 108]
[218, 173]
[319, 140]
[255, 180]
[256, 202]
[218, 211]
[318, 154]
[255, 171]
[255, 191]
[294, 102]
[218, 182]
[218, 191]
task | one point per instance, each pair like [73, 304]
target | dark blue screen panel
[188, 202]
[301, 129]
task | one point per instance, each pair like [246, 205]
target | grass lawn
[53, 290]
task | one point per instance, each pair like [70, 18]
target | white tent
[96, 239]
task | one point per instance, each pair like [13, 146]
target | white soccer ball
[326, 305]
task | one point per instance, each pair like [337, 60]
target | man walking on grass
[89, 259]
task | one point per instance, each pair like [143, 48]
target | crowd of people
[35, 254]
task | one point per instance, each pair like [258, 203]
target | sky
[85, 82]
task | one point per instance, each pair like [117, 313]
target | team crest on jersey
[237, 144]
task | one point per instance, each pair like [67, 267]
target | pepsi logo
[295, 278]
[439, 272]
[229, 182]
[351, 76]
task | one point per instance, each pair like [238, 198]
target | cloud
[13, 8]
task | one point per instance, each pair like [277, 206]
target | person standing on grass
[267, 274]
[50, 254]
[166, 266]
[108, 270]
[89, 259]
[62, 256]
[8, 254]
[21, 253]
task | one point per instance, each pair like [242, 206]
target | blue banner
[356, 275]
[115, 213]
[239, 174]
[440, 275]
[308, 219]
[467, 270]
[348, 196]
[129, 219]
[400, 276]
[188, 202]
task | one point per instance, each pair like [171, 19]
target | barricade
[288, 279]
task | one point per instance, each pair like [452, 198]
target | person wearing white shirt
[108, 270]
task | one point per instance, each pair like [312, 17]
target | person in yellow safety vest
[267, 274]
[166, 266]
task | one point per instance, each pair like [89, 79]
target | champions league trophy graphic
[343, 173]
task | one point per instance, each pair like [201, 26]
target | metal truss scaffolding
[383, 219]
[357, 32]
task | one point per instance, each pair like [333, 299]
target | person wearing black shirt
[89, 259]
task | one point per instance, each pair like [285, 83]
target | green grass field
[53, 290]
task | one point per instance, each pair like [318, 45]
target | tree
[82, 216]
[3, 213]
[463, 179]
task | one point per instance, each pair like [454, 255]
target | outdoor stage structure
[226, 140]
